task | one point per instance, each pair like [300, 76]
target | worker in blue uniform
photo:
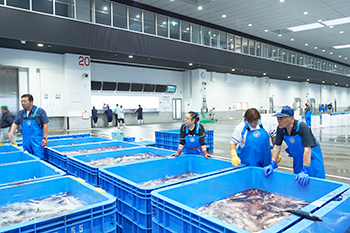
[109, 115]
[250, 141]
[192, 135]
[302, 146]
[34, 123]
[307, 112]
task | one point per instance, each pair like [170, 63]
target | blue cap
[285, 111]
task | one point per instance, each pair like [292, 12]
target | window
[42, 6]
[161, 88]
[185, 31]
[214, 38]
[96, 86]
[223, 40]
[2, 2]
[174, 26]
[196, 34]
[123, 87]
[149, 23]
[264, 50]
[119, 16]
[162, 26]
[83, 10]
[274, 53]
[206, 36]
[252, 47]
[231, 42]
[284, 55]
[293, 58]
[238, 44]
[109, 86]
[135, 20]
[64, 8]
[258, 49]
[245, 45]
[149, 88]
[269, 52]
[24, 4]
[136, 87]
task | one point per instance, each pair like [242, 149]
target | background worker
[121, 113]
[34, 124]
[302, 144]
[115, 111]
[7, 119]
[192, 136]
[329, 108]
[307, 112]
[252, 136]
[94, 115]
[139, 115]
[109, 115]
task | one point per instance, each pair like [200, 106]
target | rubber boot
[124, 125]
[118, 125]
[141, 121]
[138, 122]
[2, 143]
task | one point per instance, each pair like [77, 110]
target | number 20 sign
[84, 61]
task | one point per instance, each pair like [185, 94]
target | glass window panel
[269, 52]
[64, 8]
[324, 65]
[174, 29]
[84, 10]
[318, 64]
[245, 45]
[214, 38]
[196, 34]
[252, 47]
[135, 20]
[238, 42]
[258, 49]
[293, 58]
[341, 69]
[264, 50]
[206, 36]
[120, 16]
[162, 26]
[312, 62]
[2, 2]
[44, 6]
[307, 61]
[185, 31]
[149, 22]
[284, 55]
[279, 54]
[24, 4]
[330, 65]
[231, 42]
[274, 53]
[223, 40]
[335, 68]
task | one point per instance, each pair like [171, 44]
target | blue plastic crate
[129, 139]
[76, 165]
[98, 216]
[134, 200]
[335, 216]
[118, 135]
[8, 148]
[57, 158]
[75, 141]
[83, 135]
[16, 157]
[175, 207]
[18, 173]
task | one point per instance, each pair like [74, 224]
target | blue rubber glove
[269, 169]
[303, 176]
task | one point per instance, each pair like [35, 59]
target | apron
[308, 118]
[257, 150]
[192, 144]
[32, 136]
[295, 147]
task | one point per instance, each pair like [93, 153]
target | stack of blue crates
[170, 139]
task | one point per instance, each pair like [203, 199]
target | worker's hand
[303, 176]
[206, 155]
[235, 159]
[178, 152]
[44, 143]
[10, 136]
[269, 169]
[279, 158]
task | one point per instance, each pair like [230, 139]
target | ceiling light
[279, 35]
[306, 27]
[307, 80]
[49, 46]
[323, 50]
[288, 77]
[131, 56]
[23, 41]
[292, 39]
[281, 0]
[249, 25]
[306, 44]
[339, 55]
[264, 73]
[40, 45]
[233, 70]
[335, 83]
[190, 64]
[341, 32]
[200, 8]
[342, 46]
[266, 30]
[223, 16]
[105, 8]
[149, 59]
[330, 26]
[331, 53]
[164, 23]
[187, 29]
[137, 16]
[347, 85]
[305, 13]
[346, 58]
[337, 21]
[323, 81]
[320, 20]
[315, 47]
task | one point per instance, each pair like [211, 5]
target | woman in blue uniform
[192, 136]
[302, 146]
[307, 112]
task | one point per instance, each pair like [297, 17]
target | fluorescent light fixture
[233, 69]
[223, 16]
[281, 0]
[200, 8]
[249, 25]
[307, 79]
[292, 39]
[330, 26]
[306, 27]
[279, 35]
[190, 64]
[266, 30]
[264, 73]
[40, 45]
[315, 47]
[320, 20]
[323, 81]
[341, 46]
[323, 50]
[336, 83]
[331, 53]
[341, 32]
[131, 56]
[336, 21]
[339, 55]
[306, 44]
[305, 13]
[288, 77]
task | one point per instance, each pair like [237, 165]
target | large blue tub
[98, 216]
[134, 200]
[175, 207]
[77, 166]
[8, 148]
[15, 157]
[17, 173]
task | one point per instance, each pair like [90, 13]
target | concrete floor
[335, 143]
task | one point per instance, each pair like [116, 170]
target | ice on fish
[168, 179]
[94, 150]
[253, 210]
[38, 208]
[122, 159]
